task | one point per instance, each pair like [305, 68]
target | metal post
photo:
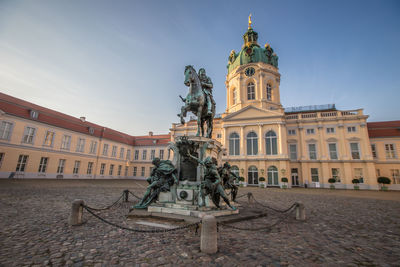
[126, 195]
[208, 239]
[250, 198]
[300, 211]
[75, 217]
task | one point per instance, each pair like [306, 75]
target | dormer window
[34, 114]
[251, 94]
[91, 130]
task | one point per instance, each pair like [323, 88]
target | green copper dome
[251, 52]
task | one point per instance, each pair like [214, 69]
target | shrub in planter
[383, 181]
[262, 182]
[241, 181]
[284, 181]
[356, 182]
[332, 181]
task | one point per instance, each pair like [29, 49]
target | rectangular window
[43, 164]
[114, 151]
[77, 164]
[21, 163]
[390, 151]
[351, 129]
[378, 172]
[61, 165]
[310, 131]
[143, 169]
[333, 151]
[134, 171]
[121, 152]
[80, 147]
[314, 175]
[89, 168]
[251, 94]
[291, 132]
[335, 174]
[48, 138]
[355, 151]
[110, 172]
[373, 149]
[151, 171]
[128, 155]
[93, 147]
[126, 171]
[144, 155]
[330, 130]
[105, 150]
[358, 174]
[5, 130]
[395, 176]
[312, 151]
[1, 158]
[102, 168]
[119, 170]
[293, 151]
[152, 154]
[29, 134]
[66, 142]
[136, 154]
[161, 154]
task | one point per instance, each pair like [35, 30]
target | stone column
[260, 143]
[242, 138]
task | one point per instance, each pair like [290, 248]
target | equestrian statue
[199, 100]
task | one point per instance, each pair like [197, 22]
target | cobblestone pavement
[346, 228]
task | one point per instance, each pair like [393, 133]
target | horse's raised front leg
[183, 114]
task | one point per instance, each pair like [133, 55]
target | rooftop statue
[199, 100]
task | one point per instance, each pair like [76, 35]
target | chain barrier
[134, 195]
[88, 209]
[109, 207]
[269, 227]
[271, 208]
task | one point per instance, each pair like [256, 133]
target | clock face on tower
[249, 72]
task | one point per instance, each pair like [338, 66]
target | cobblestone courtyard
[343, 228]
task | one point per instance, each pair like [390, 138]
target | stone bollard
[300, 212]
[208, 239]
[126, 195]
[250, 198]
[75, 217]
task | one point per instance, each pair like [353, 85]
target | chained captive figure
[211, 184]
[228, 178]
[161, 179]
[207, 85]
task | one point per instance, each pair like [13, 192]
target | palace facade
[307, 145]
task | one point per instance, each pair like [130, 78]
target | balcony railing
[324, 115]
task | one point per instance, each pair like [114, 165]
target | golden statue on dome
[250, 21]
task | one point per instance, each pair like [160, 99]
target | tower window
[269, 92]
[251, 94]
[234, 96]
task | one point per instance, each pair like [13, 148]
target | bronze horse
[195, 102]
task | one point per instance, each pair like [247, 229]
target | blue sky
[120, 63]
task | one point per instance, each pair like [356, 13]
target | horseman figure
[199, 100]
[207, 86]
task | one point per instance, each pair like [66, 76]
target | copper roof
[21, 108]
[384, 129]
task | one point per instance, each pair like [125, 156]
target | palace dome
[251, 52]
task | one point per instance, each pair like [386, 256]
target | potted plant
[284, 181]
[241, 181]
[332, 181]
[383, 181]
[356, 182]
[262, 182]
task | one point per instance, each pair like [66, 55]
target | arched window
[271, 143]
[269, 92]
[252, 143]
[272, 176]
[251, 94]
[235, 170]
[234, 96]
[252, 175]
[234, 144]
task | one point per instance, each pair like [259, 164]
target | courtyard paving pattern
[343, 228]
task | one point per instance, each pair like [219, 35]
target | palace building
[261, 138]
[307, 145]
